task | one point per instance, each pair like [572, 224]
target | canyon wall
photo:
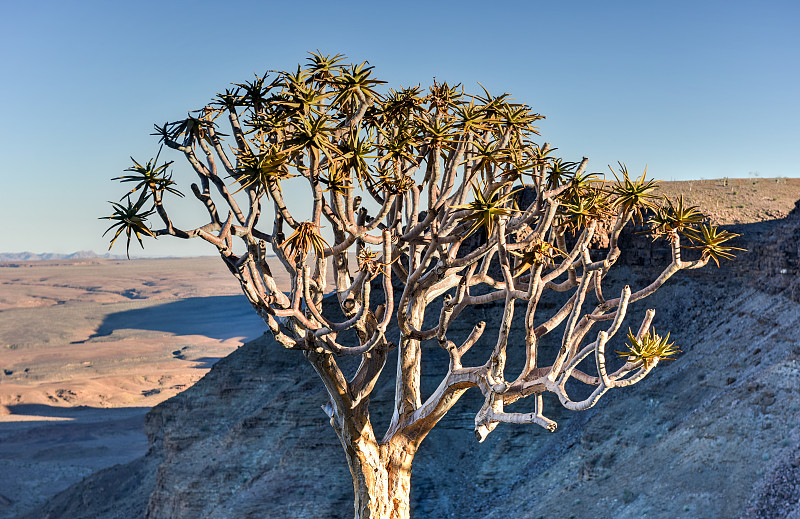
[712, 434]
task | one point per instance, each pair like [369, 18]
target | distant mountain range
[30, 256]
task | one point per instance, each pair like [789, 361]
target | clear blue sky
[693, 89]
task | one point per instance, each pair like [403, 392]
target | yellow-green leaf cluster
[305, 238]
[131, 219]
[487, 207]
[648, 348]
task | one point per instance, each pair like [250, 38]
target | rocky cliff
[713, 434]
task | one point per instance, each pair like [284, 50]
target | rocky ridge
[48, 256]
[713, 434]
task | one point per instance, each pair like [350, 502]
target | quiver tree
[416, 190]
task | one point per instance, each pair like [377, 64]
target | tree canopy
[422, 190]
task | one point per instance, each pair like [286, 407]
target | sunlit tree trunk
[381, 479]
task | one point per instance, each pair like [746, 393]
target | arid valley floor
[88, 347]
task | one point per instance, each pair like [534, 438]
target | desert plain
[88, 346]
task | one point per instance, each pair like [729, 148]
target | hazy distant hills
[31, 256]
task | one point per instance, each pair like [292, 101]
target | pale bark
[381, 478]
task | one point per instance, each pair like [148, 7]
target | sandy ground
[87, 347]
[114, 333]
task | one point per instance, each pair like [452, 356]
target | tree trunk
[381, 478]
